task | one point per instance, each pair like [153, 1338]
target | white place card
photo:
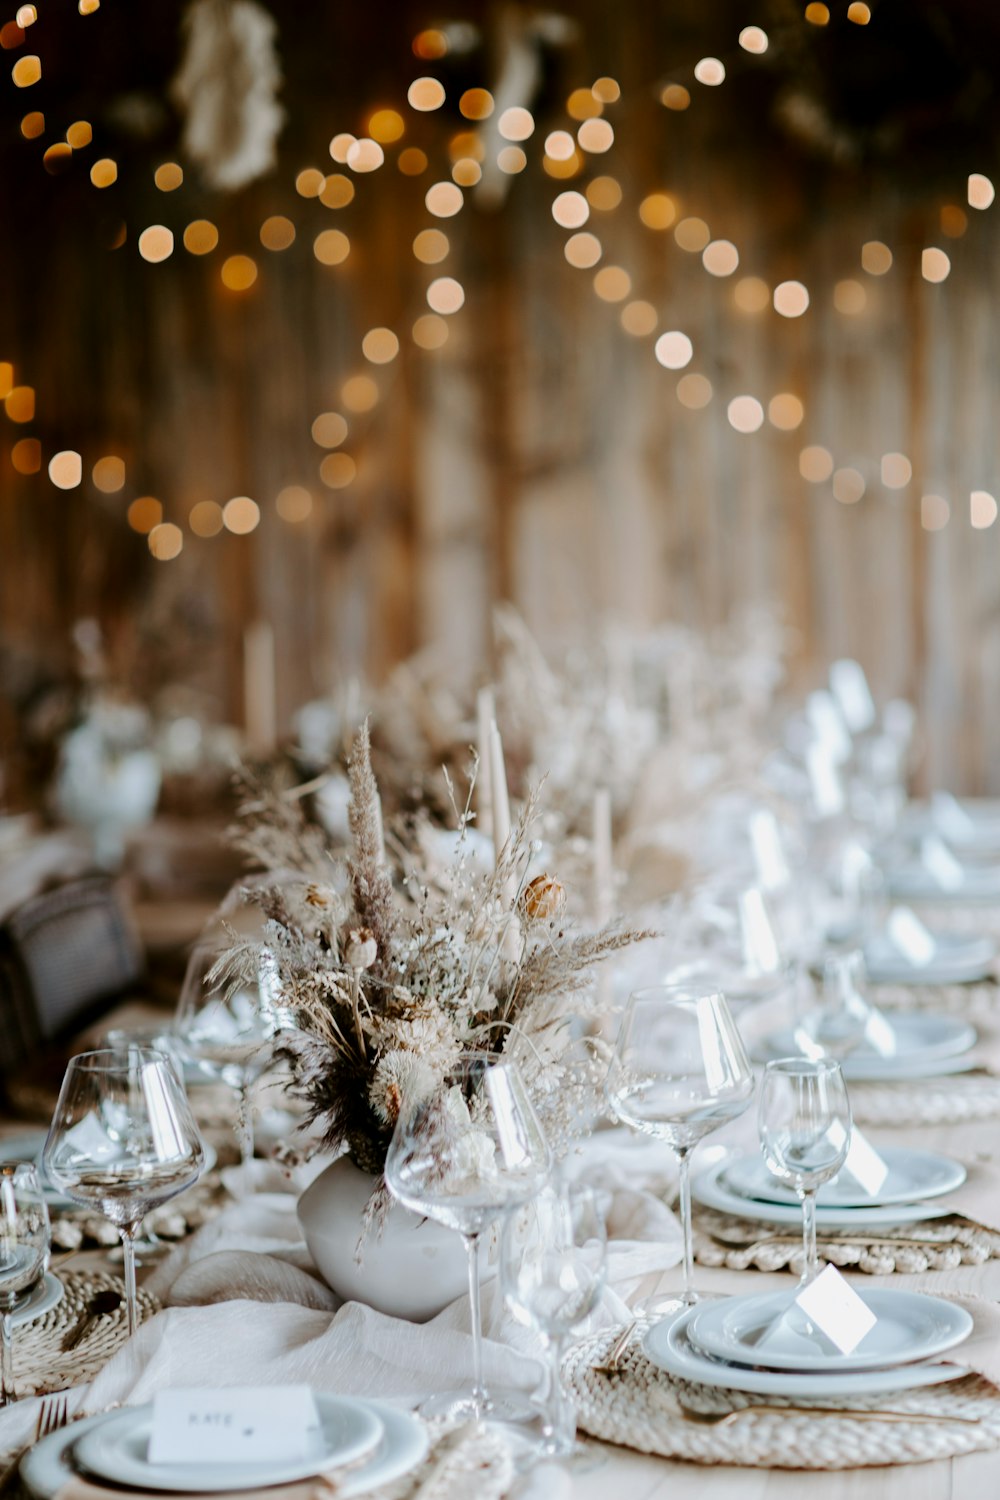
[833, 1306]
[238, 1424]
[824, 781]
[768, 850]
[760, 946]
[853, 695]
[939, 861]
[828, 725]
[910, 937]
[864, 1164]
[880, 1033]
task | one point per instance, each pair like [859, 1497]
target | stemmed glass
[123, 1140]
[147, 1243]
[804, 1119]
[842, 1017]
[679, 1071]
[463, 1153]
[24, 1254]
[230, 1035]
[552, 1261]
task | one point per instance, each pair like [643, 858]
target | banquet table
[621, 1471]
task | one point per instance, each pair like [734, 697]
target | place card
[760, 946]
[853, 695]
[833, 1306]
[237, 1424]
[879, 1033]
[828, 725]
[768, 850]
[939, 861]
[910, 937]
[827, 1312]
[824, 780]
[868, 1169]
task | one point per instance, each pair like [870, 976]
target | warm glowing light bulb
[156, 243]
[444, 200]
[674, 350]
[710, 71]
[981, 191]
[240, 515]
[66, 469]
[753, 39]
[934, 264]
[720, 258]
[425, 94]
[745, 414]
[791, 299]
[570, 210]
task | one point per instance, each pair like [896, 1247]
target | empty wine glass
[804, 1119]
[841, 1017]
[552, 1261]
[463, 1153]
[24, 1254]
[230, 1035]
[680, 1070]
[123, 1140]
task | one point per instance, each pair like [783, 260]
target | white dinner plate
[710, 1188]
[910, 1326]
[913, 1176]
[45, 1295]
[117, 1451]
[927, 1046]
[956, 960]
[668, 1346]
[914, 882]
[47, 1466]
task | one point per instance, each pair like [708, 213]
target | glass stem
[809, 1234]
[6, 1359]
[244, 1136]
[480, 1396]
[559, 1422]
[128, 1250]
[684, 1172]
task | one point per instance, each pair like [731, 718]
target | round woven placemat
[642, 1407]
[951, 1100]
[41, 1365]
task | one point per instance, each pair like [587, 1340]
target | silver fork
[53, 1414]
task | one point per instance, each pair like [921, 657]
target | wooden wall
[542, 454]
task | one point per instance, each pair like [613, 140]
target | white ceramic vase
[413, 1270]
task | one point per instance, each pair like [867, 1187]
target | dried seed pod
[543, 898]
[361, 949]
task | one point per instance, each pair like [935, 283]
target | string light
[294, 503]
[935, 512]
[165, 541]
[745, 414]
[982, 510]
[674, 350]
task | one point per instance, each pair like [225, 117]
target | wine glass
[463, 1153]
[842, 1018]
[552, 1262]
[804, 1119]
[230, 1035]
[123, 1140]
[679, 1071]
[24, 1253]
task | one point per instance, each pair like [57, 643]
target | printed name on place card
[827, 1312]
[238, 1424]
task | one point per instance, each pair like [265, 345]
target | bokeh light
[982, 509]
[386, 126]
[476, 104]
[848, 486]
[337, 470]
[200, 237]
[604, 194]
[359, 393]
[26, 455]
[710, 71]
[980, 191]
[79, 135]
[785, 411]
[425, 94]
[876, 258]
[431, 246]
[444, 200]
[19, 403]
[380, 346]
[694, 391]
[104, 172]
[570, 210]
[240, 515]
[156, 243]
[430, 331]
[816, 464]
[365, 155]
[583, 250]
[338, 191]
[935, 512]
[108, 474]
[639, 318]
[849, 297]
[612, 284]
[168, 176]
[675, 96]
[897, 471]
[294, 503]
[596, 136]
[720, 258]
[205, 518]
[166, 541]
[445, 295]
[277, 233]
[745, 414]
[310, 181]
[753, 39]
[329, 429]
[791, 299]
[239, 272]
[692, 234]
[752, 294]
[935, 265]
[658, 211]
[26, 71]
[674, 350]
[144, 513]
[331, 247]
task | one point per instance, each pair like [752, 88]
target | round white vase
[413, 1270]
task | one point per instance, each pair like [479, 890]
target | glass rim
[109, 1059]
[803, 1067]
[672, 994]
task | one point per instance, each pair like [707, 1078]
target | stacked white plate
[927, 1046]
[743, 1187]
[722, 1343]
[956, 960]
[365, 1445]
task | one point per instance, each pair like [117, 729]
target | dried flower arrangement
[387, 985]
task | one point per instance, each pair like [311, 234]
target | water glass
[24, 1254]
[804, 1119]
[552, 1265]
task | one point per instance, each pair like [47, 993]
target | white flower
[361, 949]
